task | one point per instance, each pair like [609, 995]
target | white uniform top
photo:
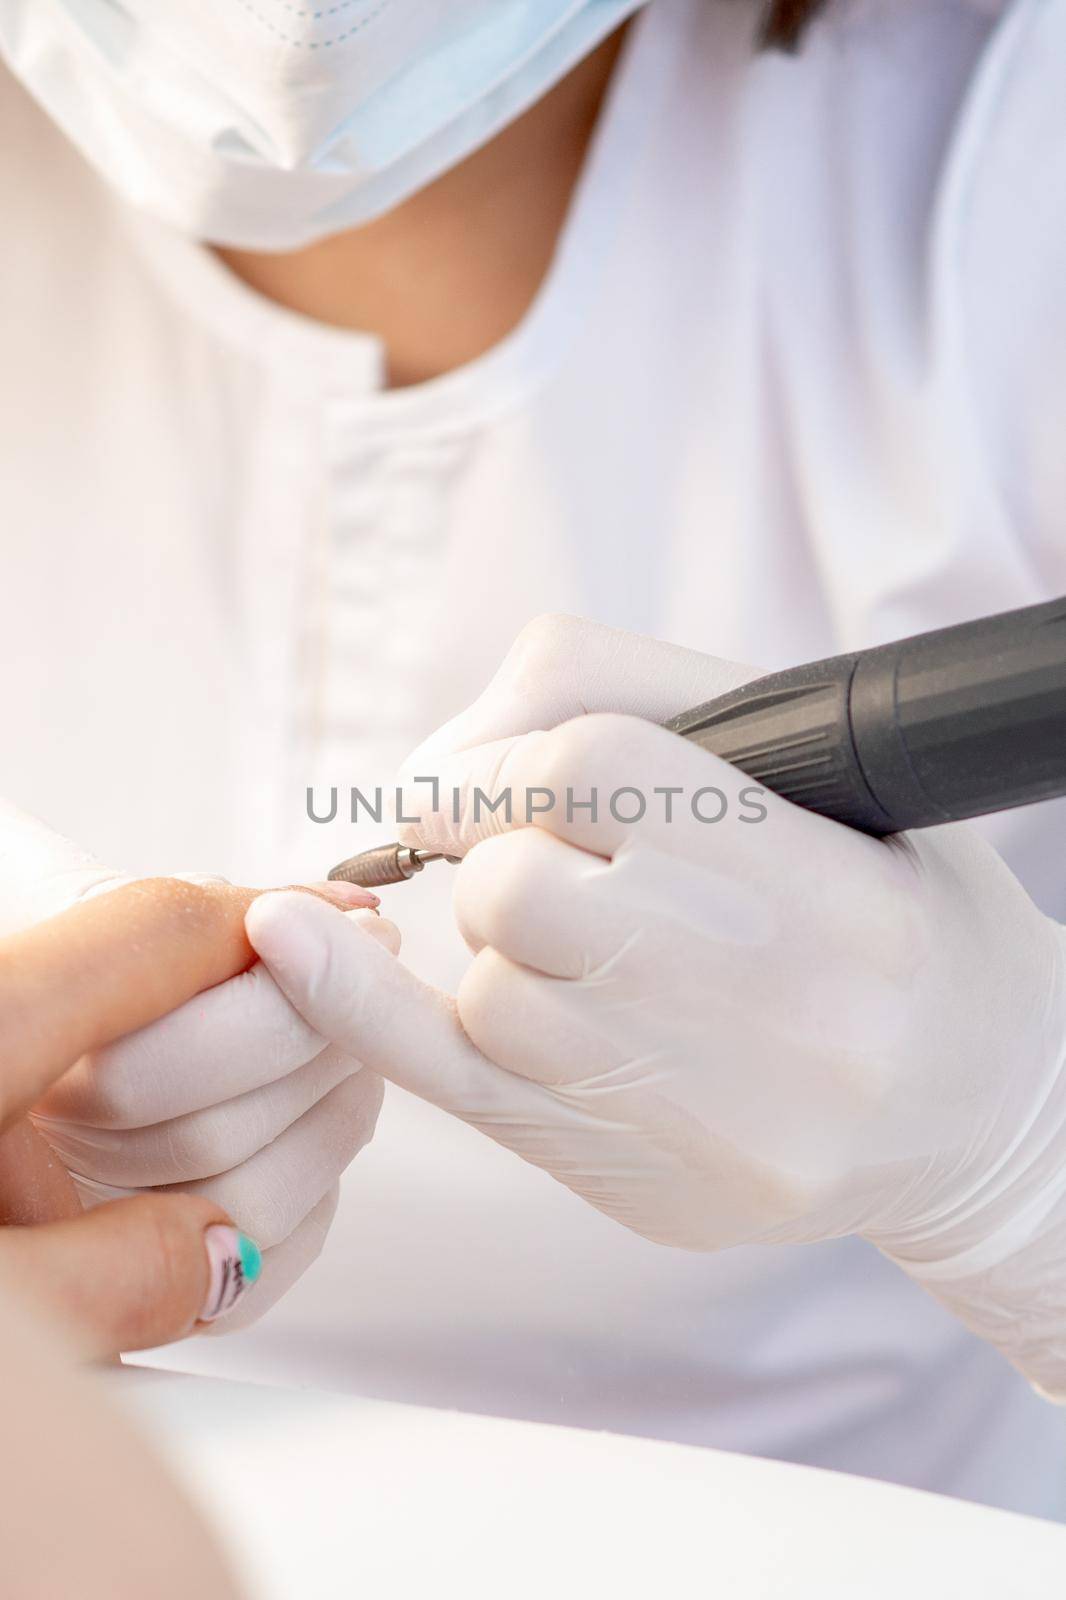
[796, 382]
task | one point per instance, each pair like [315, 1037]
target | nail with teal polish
[234, 1263]
[251, 1258]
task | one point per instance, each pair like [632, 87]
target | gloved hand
[233, 1097]
[728, 1032]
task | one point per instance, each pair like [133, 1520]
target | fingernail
[235, 1262]
[348, 894]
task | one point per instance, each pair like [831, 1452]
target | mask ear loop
[783, 22]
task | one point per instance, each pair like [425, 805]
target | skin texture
[489, 226]
[134, 1273]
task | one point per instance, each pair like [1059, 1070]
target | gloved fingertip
[285, 929]
[379, 928]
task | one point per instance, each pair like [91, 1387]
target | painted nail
[235, 1263]
[347, 894]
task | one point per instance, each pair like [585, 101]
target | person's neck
[449, 273]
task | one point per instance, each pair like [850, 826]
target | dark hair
[783, 21]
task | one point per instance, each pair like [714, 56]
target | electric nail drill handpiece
[944, 725]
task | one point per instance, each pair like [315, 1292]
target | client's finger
[35, 1186]
[283, 1265]
[241, 1035]
[133, 1273]
[107, 966]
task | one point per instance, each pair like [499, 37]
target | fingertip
[294, 934]
[186, 1264]
[283, 1265]
[134, 1273]
[273, 921]
[235, 1263]
[379, 928]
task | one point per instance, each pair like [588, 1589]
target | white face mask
[266, 124]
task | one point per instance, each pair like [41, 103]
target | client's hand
[141, 1271]
[232, 1097]
[86, 1510]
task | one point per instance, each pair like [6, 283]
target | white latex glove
[234, 1096]
[724, 1033]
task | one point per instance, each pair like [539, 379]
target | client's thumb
[132, 1273]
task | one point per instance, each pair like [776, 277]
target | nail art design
[235, 1262]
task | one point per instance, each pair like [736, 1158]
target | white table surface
[320, 1496]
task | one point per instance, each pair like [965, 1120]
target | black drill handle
[940, 726]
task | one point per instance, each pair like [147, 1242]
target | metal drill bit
[388, 863]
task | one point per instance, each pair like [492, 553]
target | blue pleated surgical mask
[266, 124]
